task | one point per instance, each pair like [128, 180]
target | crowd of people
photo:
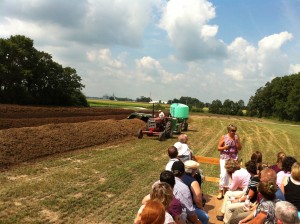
[259, 193]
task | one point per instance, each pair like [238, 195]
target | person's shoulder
[177, 144]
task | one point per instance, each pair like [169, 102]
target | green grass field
[105, 184]
[126, 104]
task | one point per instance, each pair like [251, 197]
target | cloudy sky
[164, 49]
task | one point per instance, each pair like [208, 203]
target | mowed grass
[125, 104]
[105, 184]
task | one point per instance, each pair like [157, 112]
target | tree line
[29, 76]
[279, 98]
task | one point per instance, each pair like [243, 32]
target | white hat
[191, 164]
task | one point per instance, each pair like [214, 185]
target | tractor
[164, 128]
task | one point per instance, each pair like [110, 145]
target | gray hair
[286, 212]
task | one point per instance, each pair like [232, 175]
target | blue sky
[164, 49]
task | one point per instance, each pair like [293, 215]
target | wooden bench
[209, 160]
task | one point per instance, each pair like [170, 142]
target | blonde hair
[182, 138]
[163, 192]
[230, 127]
[295, 172]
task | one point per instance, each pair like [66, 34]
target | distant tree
[215, 107]
[28, 76]
[143, 99]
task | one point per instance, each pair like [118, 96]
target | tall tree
[28, 76]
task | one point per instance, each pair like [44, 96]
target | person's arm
[283, 184]
[197, 194]
[260, 218]
[237, 142]
[248, 218]
[221, 145]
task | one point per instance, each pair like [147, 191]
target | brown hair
[153, 213]
[280, 156]
[256, 157]
[231, 166]
[267, 189]
[163, 192]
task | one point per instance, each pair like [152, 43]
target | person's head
[163, 192]
[153, 213]
[231, 166]
[178, 168]
[280, 157]
[167, 177]
[190, 167]
[267, 189]
[287, 163]
[231, 129]
[295, 171]
[268, 175]
[172, 152]
[183, 138]
[251, 167]
[256, 156]
[286, 213]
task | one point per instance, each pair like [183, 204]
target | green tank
[179, 110]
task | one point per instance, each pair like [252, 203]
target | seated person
[250, 194]
[172, 153]
[287, 163]
[184, 152]
[190, 169]
[286, 213]
[278, 166]
[265, 211]
[239, 183]
[163, 193]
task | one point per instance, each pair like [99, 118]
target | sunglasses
[233, 130]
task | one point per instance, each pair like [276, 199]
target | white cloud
[274, 41]
[105, 58]
[294, 69]
[187, 28]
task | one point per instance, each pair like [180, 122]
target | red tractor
[162, 128]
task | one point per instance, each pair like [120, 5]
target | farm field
[104, 181]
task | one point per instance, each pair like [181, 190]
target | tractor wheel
[168, 130]
[140, 133]
[162, 136]
[186, 125]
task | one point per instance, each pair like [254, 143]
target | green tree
[28, 76]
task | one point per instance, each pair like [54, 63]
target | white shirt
[182, 148]
[170, 164]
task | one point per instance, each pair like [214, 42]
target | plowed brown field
[30, 132]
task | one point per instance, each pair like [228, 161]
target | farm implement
[164, 128]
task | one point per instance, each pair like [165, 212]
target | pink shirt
[280, 176]
[240, 180]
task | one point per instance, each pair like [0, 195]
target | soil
[28, 132]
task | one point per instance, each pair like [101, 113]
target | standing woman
[229, 145]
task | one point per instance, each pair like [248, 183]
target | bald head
[268, 174]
